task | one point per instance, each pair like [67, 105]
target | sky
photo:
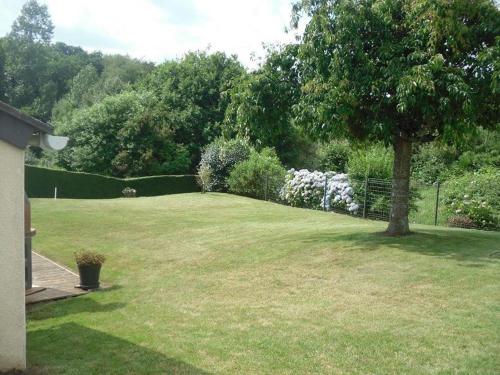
[156, 30]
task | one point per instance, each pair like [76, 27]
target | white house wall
[12, 302]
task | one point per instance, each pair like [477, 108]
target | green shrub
[435, 161]
[220, 157]
[261, 176]
[482, 151]
[476, 195]
[432, 162]
[40, 183]
[204, 177]
[334, 156]
[374, 161]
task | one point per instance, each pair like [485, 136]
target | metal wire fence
[373, 200]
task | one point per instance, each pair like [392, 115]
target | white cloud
[153, 30]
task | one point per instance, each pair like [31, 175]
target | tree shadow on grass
[73, 348]
[474, 247]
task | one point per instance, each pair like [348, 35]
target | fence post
[366, 197]
[324, 193]
[438, 185]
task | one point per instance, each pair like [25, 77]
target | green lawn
[217, 283]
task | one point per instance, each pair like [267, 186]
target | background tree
[113, 75]
[192, 96]
[122, 136]
[399, 71]
[33, 25]
[261, 104]
[26, 65]
[37, 73]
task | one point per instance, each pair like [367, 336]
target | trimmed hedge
[40, 183]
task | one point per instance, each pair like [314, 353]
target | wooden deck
[51, 281]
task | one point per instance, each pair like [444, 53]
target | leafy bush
[307, 189]
[221, 156]
[334, 156]
[374, 161]
[89, 258]
[261, 176]
[432, 161]
[204, 176]
[476, 195]
[482, 151]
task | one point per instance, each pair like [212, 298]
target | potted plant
[89, 266]
[128, 192]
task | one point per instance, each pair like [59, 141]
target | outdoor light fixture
[49, 142]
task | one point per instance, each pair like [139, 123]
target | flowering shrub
[220, 157]
[307, 189]
[476, 195]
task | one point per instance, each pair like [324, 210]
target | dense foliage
[477, 196]
[121, 136]
[220, 157]
[438, 161]
[372, 161]
[90, 86]
[334, 156]
[261, 105]
[261, 176]
[191, 97]
[37, 72]
[89, 258]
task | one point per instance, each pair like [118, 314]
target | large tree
[192, 96]
[33, 24]
[121, 136]
[400, 71]
[37, 72]
[261, 104]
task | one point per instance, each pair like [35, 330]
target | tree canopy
[121, 136]
[261, 103]
[192, 96]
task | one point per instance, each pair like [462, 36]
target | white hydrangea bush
[304, 188]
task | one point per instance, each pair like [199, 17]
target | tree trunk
[398, 222]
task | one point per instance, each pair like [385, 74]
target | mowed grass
[214, 283]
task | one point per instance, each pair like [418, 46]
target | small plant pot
[89, 276]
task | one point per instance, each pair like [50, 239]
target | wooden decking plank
[55, 281]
